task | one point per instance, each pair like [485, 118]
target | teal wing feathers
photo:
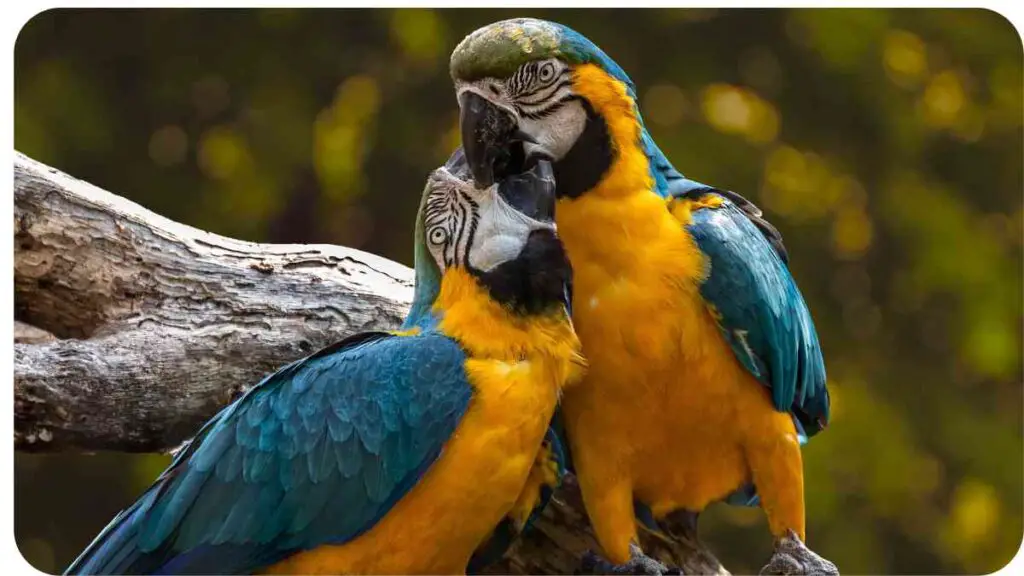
[761, 312]
[316, 453]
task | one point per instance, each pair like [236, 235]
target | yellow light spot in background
[726, 109]
[974, 514]
[784, 170]
[943, 99]
[168, 145]
[244, 192]
[851, 232]
[665, 104]
[38, 553]
[905, 57]
[221, 152]
[797, 184]
[734, 110]
[990, 342]
[419, 33]
[341, 139]
[358, 95]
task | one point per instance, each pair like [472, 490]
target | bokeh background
[885, 144]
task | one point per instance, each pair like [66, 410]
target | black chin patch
[588, 160]
[535, 280]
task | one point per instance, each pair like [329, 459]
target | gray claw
[793, 558]
[639, 563]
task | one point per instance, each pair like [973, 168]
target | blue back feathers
[316, 453]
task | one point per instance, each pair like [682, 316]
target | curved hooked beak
[531, 192]
[487, 133]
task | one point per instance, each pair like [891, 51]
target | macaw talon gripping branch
[792, 556]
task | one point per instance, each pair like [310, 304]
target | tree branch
[132, 330]
[160, 324]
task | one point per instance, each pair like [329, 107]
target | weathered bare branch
[132, 330]
[161, 324]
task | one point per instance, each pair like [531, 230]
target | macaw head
[503, 234]
[531, 88]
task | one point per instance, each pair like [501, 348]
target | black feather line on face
[535, 281]
[474, 210]
[590, 157]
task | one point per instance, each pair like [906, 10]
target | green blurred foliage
[885, 144]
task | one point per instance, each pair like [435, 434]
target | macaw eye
[547, 72]
[438, 235]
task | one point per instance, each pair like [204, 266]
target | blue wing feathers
[316, 453]
[762, 313]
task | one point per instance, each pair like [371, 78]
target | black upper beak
[487, 132]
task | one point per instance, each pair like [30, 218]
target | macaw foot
[792, 557]
[639, 563]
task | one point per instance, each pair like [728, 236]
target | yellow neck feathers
[630, 169]
[489, 330]
[621, 227]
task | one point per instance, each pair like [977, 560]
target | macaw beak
[487, 133]
[531, 192]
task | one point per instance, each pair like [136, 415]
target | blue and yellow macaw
[706, 375]
[387, 452]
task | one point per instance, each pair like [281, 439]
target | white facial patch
[501, 234]
[557, 132]
[466, 226]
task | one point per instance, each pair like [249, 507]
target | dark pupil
[545, 72]
[437, 236]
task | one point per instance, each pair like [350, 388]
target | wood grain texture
[132, 330]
